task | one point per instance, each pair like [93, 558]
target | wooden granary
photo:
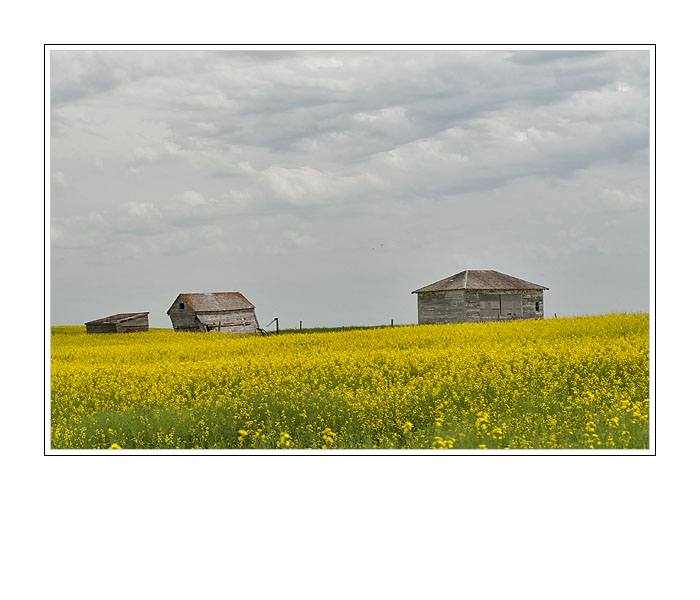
[120, 323]
[228, 312]
[479, 295]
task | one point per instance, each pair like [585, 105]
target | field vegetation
[555, 383]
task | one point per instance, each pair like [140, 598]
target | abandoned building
[228, 312]
[121, 323]
[474, 296]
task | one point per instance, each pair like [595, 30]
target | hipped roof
[116, 318]
[214, 301]
[480, 280]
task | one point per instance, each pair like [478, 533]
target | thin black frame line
[656, 312]
[633, 452]
[45, 323]
[409, 452]
[356, 45]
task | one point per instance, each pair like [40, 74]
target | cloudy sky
[327, 185]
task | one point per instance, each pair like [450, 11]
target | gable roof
[480, 280]
[116, 318]
[214, 301]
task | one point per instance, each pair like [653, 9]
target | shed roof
[215, 301]
[480, 280]
[119, 318]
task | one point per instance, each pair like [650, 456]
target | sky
[326, 185]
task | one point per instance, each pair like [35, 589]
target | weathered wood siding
[489, 306]
[473, 306]
[511, 306]
[442, 307]
[230, 321]
[500, 305]
[464, 306]
[531, 298]
[101, 328]
[184, 319]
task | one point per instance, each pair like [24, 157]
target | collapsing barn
[121, 323]
[228, 312]
[475, 296]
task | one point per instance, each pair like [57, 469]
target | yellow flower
[115, 447]
[171, 389]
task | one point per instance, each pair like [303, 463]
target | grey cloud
[383, 169]
[538, 57]
[79, 75]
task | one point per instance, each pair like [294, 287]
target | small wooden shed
[479, 295]
[121, 323]
[228, 312]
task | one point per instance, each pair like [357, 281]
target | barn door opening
[511, 306]
[489, 307]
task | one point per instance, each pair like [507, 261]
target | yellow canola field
[556, 383]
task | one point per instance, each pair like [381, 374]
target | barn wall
[489, 306]
[474, 306]
[530, 297]
[183, 319]
[523, 310]
[499, 305]
[232, 321]
[101, 328]
[442, 307]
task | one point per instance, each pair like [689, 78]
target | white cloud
[145, 153]
[244, 167]
[237, 201]
[319, 61]
[192, 198]
[623, 198]
[307, 186]
[424, 156]
[58, 178]
[302, 186]
[298, 239]
[206, 127]
[390, 115]
[141, 209]
[365, 117]
[171, 148]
